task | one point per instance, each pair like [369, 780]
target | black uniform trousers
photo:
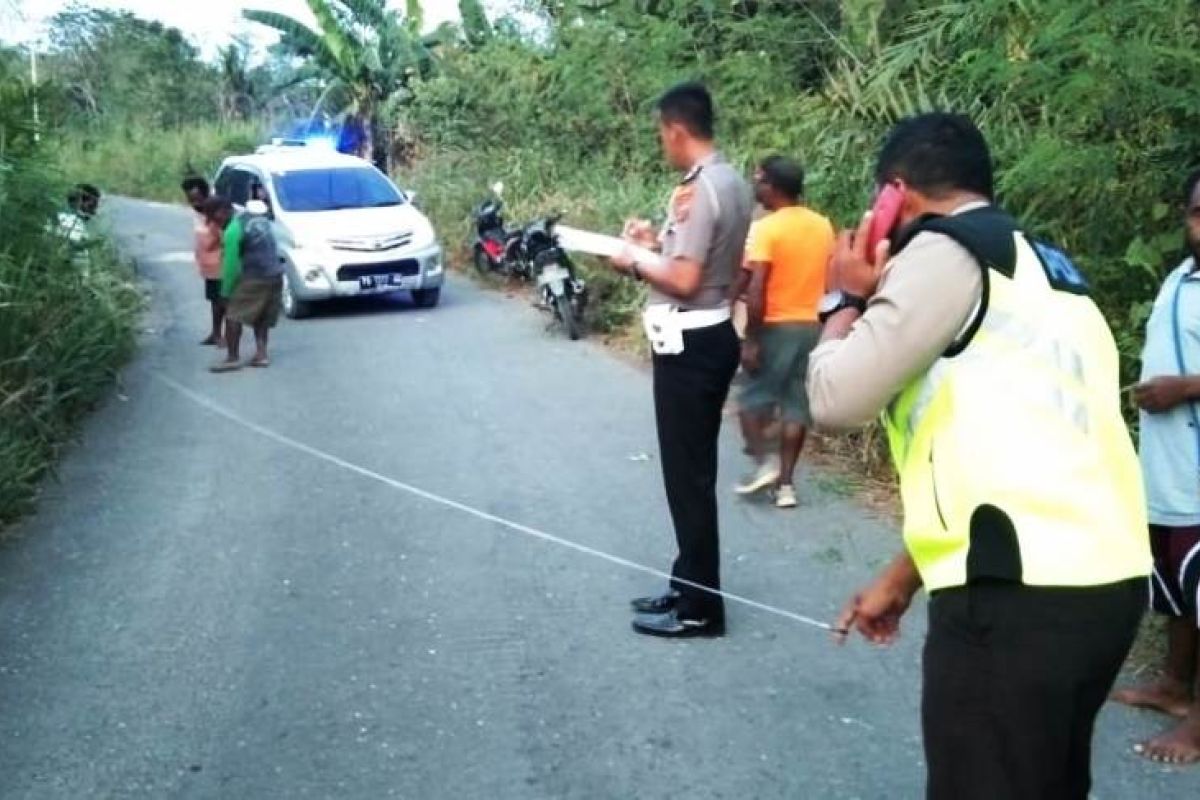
[690, 390]
[1014, 677]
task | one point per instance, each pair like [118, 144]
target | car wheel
[294, 307]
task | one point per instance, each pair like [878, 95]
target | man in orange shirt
[783, 279]
[208, 255]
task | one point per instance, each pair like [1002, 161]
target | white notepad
[599, 244]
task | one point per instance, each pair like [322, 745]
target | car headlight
[433, 266]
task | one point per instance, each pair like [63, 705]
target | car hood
[360, 223]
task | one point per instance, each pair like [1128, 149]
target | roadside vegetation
[67, 319]
[1089, 106]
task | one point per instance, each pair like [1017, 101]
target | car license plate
[379, 281]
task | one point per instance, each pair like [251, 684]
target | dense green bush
[66, 318]
[1089, 106]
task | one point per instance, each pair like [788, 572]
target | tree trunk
[366, 142]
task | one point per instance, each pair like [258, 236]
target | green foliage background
[1089, 106]
[66, 318]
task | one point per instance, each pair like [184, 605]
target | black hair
[784, 176]
[197, 183]
[1189, 187]
[937, 153]
[216, 203]
[691, 105]
[88, 190]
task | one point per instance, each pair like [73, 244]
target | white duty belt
[665, 324]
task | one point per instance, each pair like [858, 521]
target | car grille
[352, 272]
[372, 244]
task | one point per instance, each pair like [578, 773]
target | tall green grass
[67, 317]
[65, 327]
[141, 161]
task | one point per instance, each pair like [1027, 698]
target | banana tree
[364, 54]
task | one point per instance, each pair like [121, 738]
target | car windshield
[333, 189]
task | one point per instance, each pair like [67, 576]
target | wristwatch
[834, 302]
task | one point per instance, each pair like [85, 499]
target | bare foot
[1178, 746]
[1164, 694]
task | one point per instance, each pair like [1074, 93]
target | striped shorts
[1175, 584]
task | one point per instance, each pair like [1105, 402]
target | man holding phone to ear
[1024, 517]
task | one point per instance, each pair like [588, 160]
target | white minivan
[344, 229]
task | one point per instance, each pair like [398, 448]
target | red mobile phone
[885, 214]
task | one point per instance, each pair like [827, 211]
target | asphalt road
[332, 579]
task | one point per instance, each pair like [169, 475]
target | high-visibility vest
[1014, 460]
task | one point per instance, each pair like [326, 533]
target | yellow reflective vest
[1014, 461]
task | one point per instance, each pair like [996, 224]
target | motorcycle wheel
[483, 262]
[566, 312]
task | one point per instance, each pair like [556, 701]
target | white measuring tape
[517, 527]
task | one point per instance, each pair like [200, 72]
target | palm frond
[297, 37]
[338, 40]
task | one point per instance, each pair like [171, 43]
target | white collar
[970, 206]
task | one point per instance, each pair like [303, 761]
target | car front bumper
[333, 274]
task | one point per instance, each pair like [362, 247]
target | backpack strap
[987, 234]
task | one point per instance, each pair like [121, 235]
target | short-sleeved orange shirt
[797, 242]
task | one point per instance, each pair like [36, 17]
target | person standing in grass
[1170, 452]
[208, 254]
[783, 278]
[251, 278]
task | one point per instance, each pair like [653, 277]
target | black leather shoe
[656, 605]
[673, 626]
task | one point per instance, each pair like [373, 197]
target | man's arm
[924, 301]
[1165, 392]
[741, 283]
[756, 297]
[875, 612]
[678, 277]
[680, 274]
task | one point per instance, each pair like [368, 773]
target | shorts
[1175, 584]
[256, 302]
[779, 382]
[212, 291]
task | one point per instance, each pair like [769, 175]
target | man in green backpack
[251, 278]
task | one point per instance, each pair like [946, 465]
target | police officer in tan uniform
[690, 267]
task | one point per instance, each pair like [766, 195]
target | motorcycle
[530, 253]
[495, 248]
[560, 289]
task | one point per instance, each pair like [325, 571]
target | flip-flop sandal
[225, 366]
[260, 363]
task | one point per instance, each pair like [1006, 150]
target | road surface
[396, 564]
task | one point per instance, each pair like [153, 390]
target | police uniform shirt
[708, 220]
